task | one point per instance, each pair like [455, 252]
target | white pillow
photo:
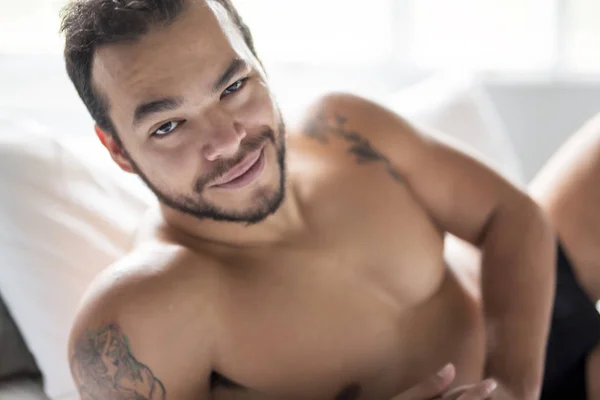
[455, 107]
[62, 220]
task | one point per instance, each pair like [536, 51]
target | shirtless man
[290, 264]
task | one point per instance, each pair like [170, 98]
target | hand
[482, 390]
[499, 393]
[436, 386]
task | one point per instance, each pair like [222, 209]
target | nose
[225, 137]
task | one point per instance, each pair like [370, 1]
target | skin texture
[338, 291]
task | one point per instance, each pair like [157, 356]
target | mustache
[223, 166]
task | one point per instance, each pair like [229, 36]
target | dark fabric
[574, 332]
[571, 385]
[15, 358]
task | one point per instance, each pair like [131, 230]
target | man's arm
[472, 202]
[104, 367]
[124, 344]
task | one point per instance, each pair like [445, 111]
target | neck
[276, 228]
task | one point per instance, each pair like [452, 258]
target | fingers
[480, 391]
[432, 387]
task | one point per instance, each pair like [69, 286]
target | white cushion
[455, 107]
[62, 220]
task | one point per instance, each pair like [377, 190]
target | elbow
[534, 236]
[518, 220]
[539, 225]
[529, 221]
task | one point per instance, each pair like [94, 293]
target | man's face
[195, 117]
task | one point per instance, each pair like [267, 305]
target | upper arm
[460, 193]
[122, 346]
[104, 366]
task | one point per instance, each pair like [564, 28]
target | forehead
[200, 42]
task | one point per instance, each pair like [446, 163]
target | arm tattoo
[320, 128]
[104, 368]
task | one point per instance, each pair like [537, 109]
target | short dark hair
[88, 24]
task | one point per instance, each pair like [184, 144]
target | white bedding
[62, 220]
[22, 389]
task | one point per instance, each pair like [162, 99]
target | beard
[266, 202]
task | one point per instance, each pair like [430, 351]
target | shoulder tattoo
[321, 128]
[104, 368]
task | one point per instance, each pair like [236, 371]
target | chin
[262, 199]
[257, 205]
[262, 204]
[250, 205]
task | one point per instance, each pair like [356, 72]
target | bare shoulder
[365, 129]
[136, 321]
[146, 277]
[359, 111]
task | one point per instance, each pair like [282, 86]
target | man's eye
[167, 128]
[235, 87]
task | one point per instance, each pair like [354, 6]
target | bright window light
[482, 34]
[493, 35]
[30, 26]
[583, 52]
[320, 31]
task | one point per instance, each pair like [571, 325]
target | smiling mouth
[242, 174]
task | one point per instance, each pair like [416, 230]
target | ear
[115, 149]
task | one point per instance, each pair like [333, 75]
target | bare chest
[363, 306]
[313, 322]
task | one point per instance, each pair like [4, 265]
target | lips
[239, 170]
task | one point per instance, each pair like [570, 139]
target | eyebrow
[234, 68]
[145, 110]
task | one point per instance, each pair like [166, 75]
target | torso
[360, 306]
